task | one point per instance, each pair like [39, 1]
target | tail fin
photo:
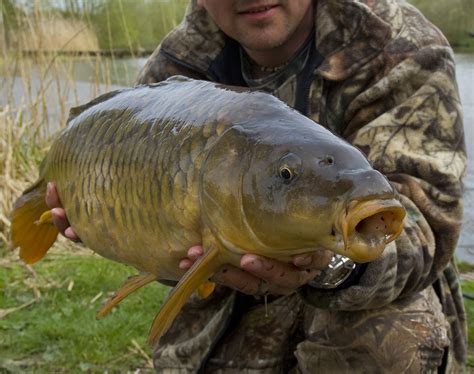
[31, 231]
[202, 269]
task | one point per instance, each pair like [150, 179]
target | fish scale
[145, 173]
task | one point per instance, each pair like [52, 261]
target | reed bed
[47, 311]
[38, 89]
[37, 95]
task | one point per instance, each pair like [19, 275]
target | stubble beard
[265, 42]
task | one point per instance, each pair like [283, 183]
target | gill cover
[221, 187]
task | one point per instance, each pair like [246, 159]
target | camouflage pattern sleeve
[403, 110]
[159, 68]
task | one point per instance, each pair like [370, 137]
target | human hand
[58, 213]
[259, 275]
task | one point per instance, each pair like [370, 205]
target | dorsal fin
[77, 110]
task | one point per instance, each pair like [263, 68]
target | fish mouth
[367, 227]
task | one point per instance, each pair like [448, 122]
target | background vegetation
[117, 24]
[454, 17]
[120, 23]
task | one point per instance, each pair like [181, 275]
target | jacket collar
[348, 35]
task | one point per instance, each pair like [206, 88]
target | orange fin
[206, 289]
[46, 218]
[199, 273]
[32, 229]
[131, 285]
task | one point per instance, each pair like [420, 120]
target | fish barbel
[145, 173]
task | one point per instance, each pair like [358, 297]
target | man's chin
[261, 42]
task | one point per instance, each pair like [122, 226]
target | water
[65, 84]
[123, 72]
[465, 78]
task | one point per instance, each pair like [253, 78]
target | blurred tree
[121, 23]
[455, 18]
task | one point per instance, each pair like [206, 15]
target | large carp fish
[147, 172]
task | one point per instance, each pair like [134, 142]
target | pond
[465, 78]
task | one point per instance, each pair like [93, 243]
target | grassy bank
[468, 287]
[47, 316]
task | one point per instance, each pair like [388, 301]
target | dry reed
[36, 92]
[36, 95]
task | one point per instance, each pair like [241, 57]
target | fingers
[58, 213]
[62, 224]
[228, 275]
[282, 278]
[193, 254]
[260, 273]
[319, 259]
[238, 279]
[59, 219]
[52, 198]
[185, 264]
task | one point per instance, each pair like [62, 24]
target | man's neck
[280, 55]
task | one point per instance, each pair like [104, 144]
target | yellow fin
[206, 289]
[199, 273]
[33, 239]
[46, 218]
[131, 285]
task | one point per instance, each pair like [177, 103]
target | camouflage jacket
[386, 84]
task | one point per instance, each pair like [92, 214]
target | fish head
[300, 187]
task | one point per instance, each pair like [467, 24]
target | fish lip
[359, 246]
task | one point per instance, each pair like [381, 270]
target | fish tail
[32, 227]
[199, 273]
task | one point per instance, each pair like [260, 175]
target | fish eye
[290, 166]
[286, 173]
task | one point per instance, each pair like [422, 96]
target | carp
[147, 172]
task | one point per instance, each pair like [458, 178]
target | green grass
[464, 267]
[59, 333]
[468, 287]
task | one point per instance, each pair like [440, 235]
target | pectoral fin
[131, 285]
[206, 289]
[199, 273]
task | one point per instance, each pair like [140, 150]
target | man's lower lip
[259, 15]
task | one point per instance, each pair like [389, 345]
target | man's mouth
[257, 10]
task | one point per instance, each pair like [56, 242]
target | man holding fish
[378, 74]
